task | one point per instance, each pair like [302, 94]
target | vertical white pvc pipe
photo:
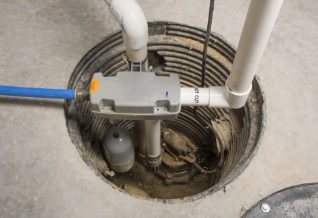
[153, 147]
[259, 22]
[152, 131]
[141, 138]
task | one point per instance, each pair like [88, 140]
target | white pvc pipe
[217, 97]
[259, 22]
[195, 96]
[141, 137]
[214, 96]
[134, 27]
[152, 131]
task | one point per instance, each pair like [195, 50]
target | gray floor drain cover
[295, 201]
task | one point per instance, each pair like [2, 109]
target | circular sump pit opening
[172, 48]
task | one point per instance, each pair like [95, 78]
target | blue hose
[37, 92]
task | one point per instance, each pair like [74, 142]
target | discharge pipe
[259, 22]
[133, 25]
[214, 96]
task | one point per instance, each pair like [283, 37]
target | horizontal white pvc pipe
[259, 22]
[214, 96]
[195, 96]
[134, 27]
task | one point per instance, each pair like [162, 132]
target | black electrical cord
[206, 44]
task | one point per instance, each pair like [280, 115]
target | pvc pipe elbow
[217, 97]
[223, 97]
[236, 99]
[132, 21]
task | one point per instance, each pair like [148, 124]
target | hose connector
[81, 94]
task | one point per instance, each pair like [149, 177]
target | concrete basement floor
[41, 172]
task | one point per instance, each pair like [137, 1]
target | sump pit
[172, 48]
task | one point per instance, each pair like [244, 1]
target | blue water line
[37, 92]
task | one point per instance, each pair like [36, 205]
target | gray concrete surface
[41, 172]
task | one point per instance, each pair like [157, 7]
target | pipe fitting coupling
[81, 94]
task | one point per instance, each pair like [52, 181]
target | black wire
[206, 44]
